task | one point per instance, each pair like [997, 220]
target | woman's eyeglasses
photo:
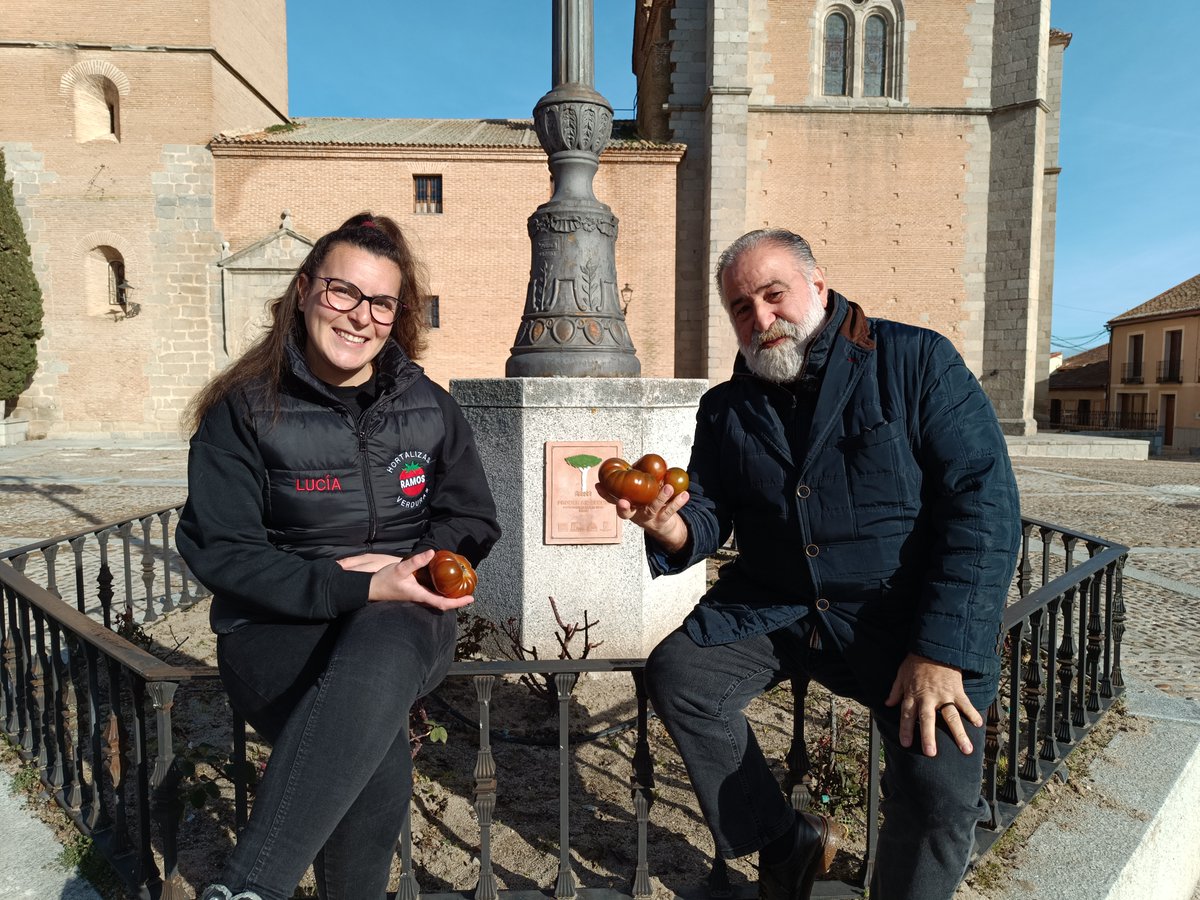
[345, 297]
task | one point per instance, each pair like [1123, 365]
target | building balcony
[1170, 371]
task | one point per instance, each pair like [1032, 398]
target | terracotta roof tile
[1088, 369]
[425, 133]
[1087, 357]
[1184, 297]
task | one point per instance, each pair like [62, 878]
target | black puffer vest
[341, 482]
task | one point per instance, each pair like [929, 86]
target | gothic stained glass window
[875, 58]
[835, 54]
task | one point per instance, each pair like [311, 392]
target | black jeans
[930, 805]
[333, 699]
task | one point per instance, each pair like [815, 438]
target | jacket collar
[394, 371]
[832, 368]
[845, 319]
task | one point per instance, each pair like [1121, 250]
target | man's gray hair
[781, 237]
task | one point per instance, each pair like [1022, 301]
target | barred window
[427, 194]
[875, 44]
[433, 316]
[117, 286]
[836, 41]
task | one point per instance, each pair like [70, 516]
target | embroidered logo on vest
[410, 468]
[320, 484]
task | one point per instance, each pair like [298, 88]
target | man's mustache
[779, 329]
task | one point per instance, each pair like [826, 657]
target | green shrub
[20, 300]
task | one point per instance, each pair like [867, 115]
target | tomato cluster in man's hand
[641, 482]
[449, 574]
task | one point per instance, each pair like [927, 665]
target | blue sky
[1129, 194]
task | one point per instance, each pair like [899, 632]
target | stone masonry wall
[727, 123]
[894, 202]
[689, 89]
[251, 35]
[882, 200]
[145, 199]
[1041, 396]
[1013, 294]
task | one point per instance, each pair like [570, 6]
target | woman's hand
[368, 562]
[395, 580]
[659, 518]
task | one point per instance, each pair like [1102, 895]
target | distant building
[1078, 391]
[915, 142]
[1156, 364]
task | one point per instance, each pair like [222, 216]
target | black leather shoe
[816, 843]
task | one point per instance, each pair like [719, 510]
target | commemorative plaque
[574, 512]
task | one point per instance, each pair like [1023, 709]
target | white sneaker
[220, 892]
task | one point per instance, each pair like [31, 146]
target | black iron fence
[1105, 420]
[91, 709]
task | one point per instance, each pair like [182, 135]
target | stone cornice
[881, 109]
[269, 150]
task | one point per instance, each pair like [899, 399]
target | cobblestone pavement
[51, 488]
[1153, 507]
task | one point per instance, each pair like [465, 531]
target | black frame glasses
[377, 305]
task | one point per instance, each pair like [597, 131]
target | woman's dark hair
[265, 362]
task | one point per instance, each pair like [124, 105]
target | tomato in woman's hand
[449, 574]
[678, 480]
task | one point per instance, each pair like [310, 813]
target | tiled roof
[425, 133]
[1184, 297]
[1088, 369]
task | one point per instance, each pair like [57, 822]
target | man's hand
[925, 688]
[660, 518]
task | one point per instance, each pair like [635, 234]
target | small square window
[427, 194]
[433, 315]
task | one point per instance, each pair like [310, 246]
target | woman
[325, 469]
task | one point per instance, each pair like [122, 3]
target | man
[863, 471]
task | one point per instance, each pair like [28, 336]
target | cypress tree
[20, 300]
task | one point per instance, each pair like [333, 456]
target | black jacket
[890, 512]
[273, 502]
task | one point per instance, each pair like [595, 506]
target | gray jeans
[930, 805]
[333, 698]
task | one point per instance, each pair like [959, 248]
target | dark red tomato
[652, 464]
[610, 465]
[451, 575]
[678, 480]
[633, 483]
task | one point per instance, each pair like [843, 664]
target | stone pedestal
[513, 418]
[13, 431]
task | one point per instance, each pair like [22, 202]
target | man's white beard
[783, 362]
